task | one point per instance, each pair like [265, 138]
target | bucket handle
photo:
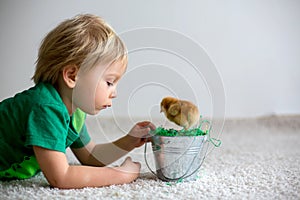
[216, 142]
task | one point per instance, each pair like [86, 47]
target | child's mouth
[106, 106]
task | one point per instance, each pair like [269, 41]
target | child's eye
[109, 83]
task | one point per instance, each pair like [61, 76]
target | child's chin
[93, 112]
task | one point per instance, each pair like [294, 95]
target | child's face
[96, 88]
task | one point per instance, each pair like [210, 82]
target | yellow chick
[181, 112]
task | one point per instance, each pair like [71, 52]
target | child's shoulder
[41, 101]
[42, 94]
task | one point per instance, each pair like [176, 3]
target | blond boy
[79, 65]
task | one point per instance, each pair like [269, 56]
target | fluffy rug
[258, 159]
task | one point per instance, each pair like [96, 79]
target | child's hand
[139, 134]
[131, 170]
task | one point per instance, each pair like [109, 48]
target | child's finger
[151, 126]
[138, 163]
[143, 124]
[147, 139]
[146, 124]
[146, 133]
[128, 159]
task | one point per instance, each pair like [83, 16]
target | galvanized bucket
[178, 158]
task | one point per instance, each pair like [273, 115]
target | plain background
[254, 45]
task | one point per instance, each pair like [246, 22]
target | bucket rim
[180, 136]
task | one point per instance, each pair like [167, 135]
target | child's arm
[60, 174]
[104, 154]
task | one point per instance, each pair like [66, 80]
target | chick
[181, 112]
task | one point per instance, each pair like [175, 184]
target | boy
[78, 68]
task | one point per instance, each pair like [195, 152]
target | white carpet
[258, 159]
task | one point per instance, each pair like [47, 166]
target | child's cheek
[85, 92]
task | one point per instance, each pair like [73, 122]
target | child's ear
[70, 75]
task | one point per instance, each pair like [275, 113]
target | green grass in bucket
[160, 131]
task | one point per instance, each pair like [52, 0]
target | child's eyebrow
[113, 74]
[117, 75]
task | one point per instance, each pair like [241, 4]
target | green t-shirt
[36, 117]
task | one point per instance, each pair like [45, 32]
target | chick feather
[181, 112]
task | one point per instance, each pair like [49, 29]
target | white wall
[255, 46]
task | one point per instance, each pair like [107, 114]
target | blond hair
[84, 41]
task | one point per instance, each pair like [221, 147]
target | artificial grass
[160, 131]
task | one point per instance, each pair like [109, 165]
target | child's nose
[113, 94]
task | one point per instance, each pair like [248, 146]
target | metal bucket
[178, 158]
